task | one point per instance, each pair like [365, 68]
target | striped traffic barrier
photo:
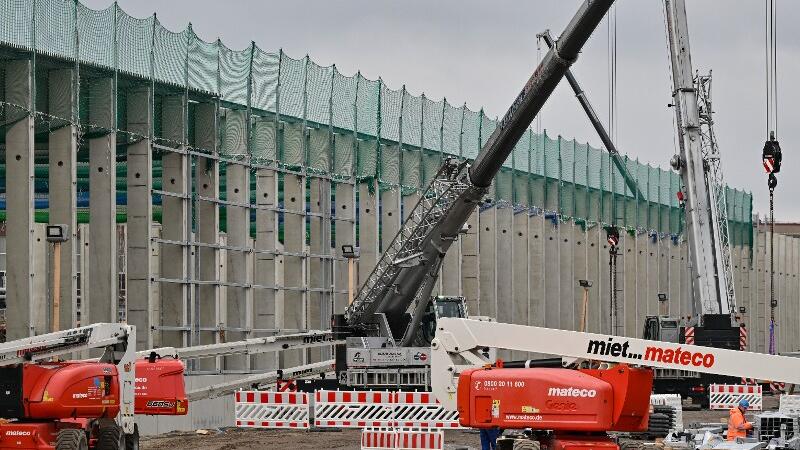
[254, 409]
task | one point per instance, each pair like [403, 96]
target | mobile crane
[597, 383]
[384, 318]
[714, 321]
[47, 404]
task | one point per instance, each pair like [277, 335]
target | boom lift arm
[254, 346]
[460, 344]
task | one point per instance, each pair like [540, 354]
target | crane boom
[630, 181]
[408, 269]
[709, 283]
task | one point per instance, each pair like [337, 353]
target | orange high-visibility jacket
[737, 425]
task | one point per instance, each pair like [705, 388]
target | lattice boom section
[255, 409]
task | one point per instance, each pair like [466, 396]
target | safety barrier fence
[401, 439]
[342, 409]
[727, 396]
[256, 409]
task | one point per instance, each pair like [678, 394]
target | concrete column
[265, 297]
[319, 267]
[674, 288]
[294, 240]
[642, 281]
[40, 314]
[580, 272]
[762, 291]
[566, 276]
[628, 281]
[20, 273]
[367, 228]
[62, 148]
[598, 268]
[488, 266]
[520, 271]
[390, 217]
[470, 265]
[175, 223]
[784, 310]
[536, 268]
[237, 185]
[140, 213]
[344, 221]
[155, 288]
[504, 264]
[100, 303]
[206, 178]
[552, 275]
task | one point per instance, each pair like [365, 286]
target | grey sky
[481, 52]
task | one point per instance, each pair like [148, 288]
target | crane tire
[71, 439]
[526, 444]
[111, 438]
[132, 440]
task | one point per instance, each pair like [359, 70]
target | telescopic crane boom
[408, 269]
[711, 285]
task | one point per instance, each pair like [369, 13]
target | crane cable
[771, 155]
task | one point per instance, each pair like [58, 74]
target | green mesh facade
[360, 128]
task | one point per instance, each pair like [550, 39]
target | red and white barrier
[419, 438]
[353, 409]
[378, 438]
[422, 410]
[688, 334]
[254, 409]
[727, 396]
[381, 438]
[343, 409]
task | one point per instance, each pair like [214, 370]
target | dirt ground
[348, 439]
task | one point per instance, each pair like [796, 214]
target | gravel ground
[253, 439]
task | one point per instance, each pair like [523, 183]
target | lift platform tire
[111, 438]
[71, 439]
[132, 440]
[526, 444]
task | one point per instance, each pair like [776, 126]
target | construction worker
[489, 438]
[737, 424]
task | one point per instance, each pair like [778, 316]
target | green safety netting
[349, 127]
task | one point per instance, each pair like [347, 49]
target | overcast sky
[481, 52]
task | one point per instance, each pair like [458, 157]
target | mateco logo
[571, 392]
[17, 433]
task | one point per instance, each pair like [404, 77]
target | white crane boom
[462, 344]
[709, 283]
